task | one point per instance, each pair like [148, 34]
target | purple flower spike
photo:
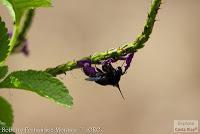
[25, 49]
[129, 58]
[81, 63]
[10, 34]
[89, 71]
[87, 67]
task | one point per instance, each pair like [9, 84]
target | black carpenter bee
[108, 76]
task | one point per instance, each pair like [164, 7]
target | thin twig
[115, 53]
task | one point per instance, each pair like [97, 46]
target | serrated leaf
[4, 41]
[18, 7]
[41, 83]
[6, 112]
[3, 71]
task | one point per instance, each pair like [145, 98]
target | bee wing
[92, 78]
[102, 80]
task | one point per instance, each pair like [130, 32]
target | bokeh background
[162, 85]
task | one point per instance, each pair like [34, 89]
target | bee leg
[108, 68]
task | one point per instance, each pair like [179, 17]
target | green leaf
[41, 83]
[18, 7]
[9, 6]
[5, 129]
[6, 112]
[3, 71]
[4, 41]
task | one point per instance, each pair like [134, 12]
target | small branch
[19, 32]
[25, 26]
[115, 53]
[14, 38]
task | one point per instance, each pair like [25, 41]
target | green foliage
[6, 112]
[4, 41]
[5, 129]
[18, 7]
[3, 71]
[41, 83]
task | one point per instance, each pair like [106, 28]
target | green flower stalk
[118, 52]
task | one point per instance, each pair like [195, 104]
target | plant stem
[19, 32]
[25, 26]
[14, 38]
[115, 53]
